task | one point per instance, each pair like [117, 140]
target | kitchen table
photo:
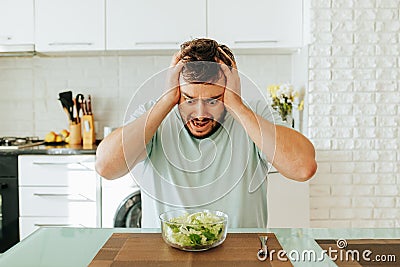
[78, 246]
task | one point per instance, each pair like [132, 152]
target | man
[202, 145]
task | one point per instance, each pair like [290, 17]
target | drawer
[28, 225]
[44, 170]
[58, 201]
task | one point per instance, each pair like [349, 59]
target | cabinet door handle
[255, 41]
[58, 225]
[54, 163]
[156, 43]
[69, 43]
[5, 38]
[44, 163]
[75, 197]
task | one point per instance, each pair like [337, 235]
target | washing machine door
[129, 212]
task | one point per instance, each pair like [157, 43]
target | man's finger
[228, 57]
[225, 69]
[176, 58]
[176, 69]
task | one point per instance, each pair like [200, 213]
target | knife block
[88, 133]
[75, 137]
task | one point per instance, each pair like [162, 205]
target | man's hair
[201, 58]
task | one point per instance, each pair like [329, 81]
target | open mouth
[200, 125]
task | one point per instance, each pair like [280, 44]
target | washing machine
[121, 203]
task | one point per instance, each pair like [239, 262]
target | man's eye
[212, 101]
[190, 101]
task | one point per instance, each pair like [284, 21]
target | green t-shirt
[225, 171]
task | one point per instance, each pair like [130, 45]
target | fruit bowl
[194, 229]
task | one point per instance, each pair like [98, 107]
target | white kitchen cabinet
[94, 25]
[69, 25]
[58, 201]
[16, 25]
[256, 23]
[153, 24]
[288, 202]
[58, 191]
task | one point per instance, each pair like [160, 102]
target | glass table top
[78, 246]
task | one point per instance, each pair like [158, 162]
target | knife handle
[84, 108]
[89, 105]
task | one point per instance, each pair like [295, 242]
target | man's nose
[200, 108]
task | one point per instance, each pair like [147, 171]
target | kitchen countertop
[63, 149]
[78, 246]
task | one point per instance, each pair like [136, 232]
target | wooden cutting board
[388, 249]
[140, 249]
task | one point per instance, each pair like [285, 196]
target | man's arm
[126, 146]
[291, 153]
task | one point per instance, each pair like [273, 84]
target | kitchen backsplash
[29, 86]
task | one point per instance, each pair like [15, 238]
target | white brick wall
[354, 99]
[29, 86]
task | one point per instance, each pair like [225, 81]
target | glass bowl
[194, 229]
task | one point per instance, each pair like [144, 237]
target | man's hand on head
[172, 90]
[232, 94]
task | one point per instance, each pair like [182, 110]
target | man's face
[201, 107]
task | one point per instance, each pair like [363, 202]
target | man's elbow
[307, 171]
[104, 168]
[101, 170]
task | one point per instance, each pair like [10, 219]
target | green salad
[200, 229]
